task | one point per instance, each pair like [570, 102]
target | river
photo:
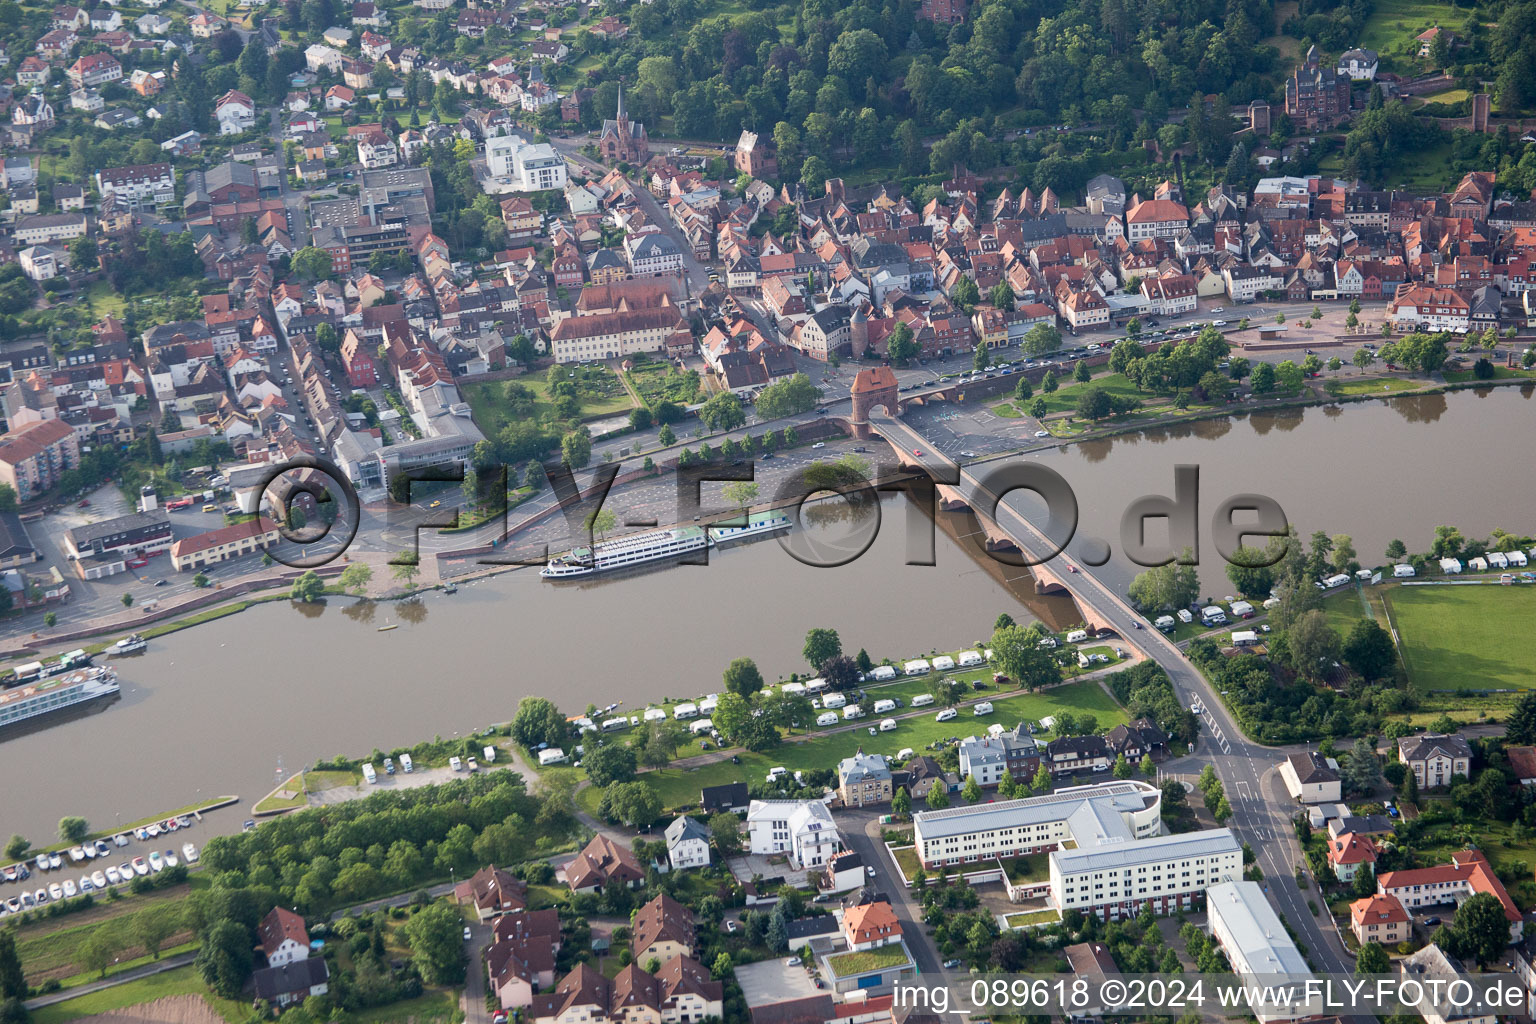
[221, 708]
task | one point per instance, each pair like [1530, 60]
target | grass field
[1465, 637]
[1386, 386]
[1394, 23]
[600, 396]
[181, 981]
[678, 787]
[1499, 373]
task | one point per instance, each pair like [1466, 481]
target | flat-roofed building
[1256, 943]
[1115, 878]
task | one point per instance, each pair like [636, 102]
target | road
[148, 970]
[1246, 769]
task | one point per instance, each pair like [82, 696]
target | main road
[1261, 809]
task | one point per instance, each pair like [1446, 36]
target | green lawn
[1007, 410]
[1499, 373]
[1394, 23]
[1036, 867]
[1027, 918]
[1465, 637]
[181, 981]
[662, 382]
[680, 787]
[1379, 386]
[601, 395]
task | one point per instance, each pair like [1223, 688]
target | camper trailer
[922, 700]
[827, 718]
[917, 667]
[882, 673]
[887, 725]
[1242, 609]
[883, 706]
[1403, 569]
[834, 700]
[969, 658]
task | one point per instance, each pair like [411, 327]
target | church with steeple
[623, 139]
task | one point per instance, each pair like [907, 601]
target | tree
[355, 578]
[1362, 773]
[1480, 931]
[1364, 884]
[665, 436]
[1372, 959]
[938, 796]
[406, 568]
[1081, 373]
[1001, 296]
[1166, 587]
[1251, 578]
[576, 449]
[900, 345]
[742, 677]
[1041, 783]
[840, 671]
[1017, 654]
[1023, 391]
[311, 263]
[1288, 376]
[539, 720]
[723, 411]
[73, 829]
[726, 829]
[788, 397]
[437, 947]
[1038, 409]
[224, 958]
[965, 294]
[609, 763]
[152, 928]
[1049, 383]
[777, 934]
[1147, 767]
[971, 791]
[1263, 378]
[820, 645]
[901, 802]
[13, 982]
[1042, 339]
[8, 500]
[308, 588]
[1314, 645]
[127, 600]
[1521, 730]
[981, 358]
[100, 949]
[630, 803]
[1368, 650]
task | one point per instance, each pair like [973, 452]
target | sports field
[1466, 637]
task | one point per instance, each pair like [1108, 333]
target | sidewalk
[149, 970]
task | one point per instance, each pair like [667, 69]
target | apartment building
[34, 456]
[223, 544]
[617, 334]
[1118, 879]
[802, 829]
[1256, 943]
[138, 185]
[1435, 758]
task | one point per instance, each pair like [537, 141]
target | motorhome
[1185, 615]
[984, 708]
[1213, 615]
[369, 775]
[1164, 623]
[407, 764]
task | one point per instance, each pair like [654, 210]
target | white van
[834, 700]
[947, 715]
[369, 775]
[887, 725]
[922, 700]
[1403, 569]
[851, 712]
[1164, 623]
[917, 667]
[1077, 636]
[1212, 615]
[775, 774]
[407, 764]
[827, 718]
[882, 706]
[882, 673]
[984, 708]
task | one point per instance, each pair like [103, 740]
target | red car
[85, 504]
[917, 453]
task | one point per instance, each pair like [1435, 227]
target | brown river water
[224, 707]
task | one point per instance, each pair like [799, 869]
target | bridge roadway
[1261, 808]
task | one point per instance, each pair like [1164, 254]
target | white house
[1311, 778]
[1359, 65]
[687, 843]
[801, 829]
[319, 57]
[235, 112]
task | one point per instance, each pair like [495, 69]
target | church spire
[619, 114]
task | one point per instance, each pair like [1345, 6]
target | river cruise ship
[56, 693]
[623, 552]
[757, 523]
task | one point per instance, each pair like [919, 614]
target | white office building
[1256, 943]
[515, 163]
[801, 829]
[1115, 878]
[1122, 810]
